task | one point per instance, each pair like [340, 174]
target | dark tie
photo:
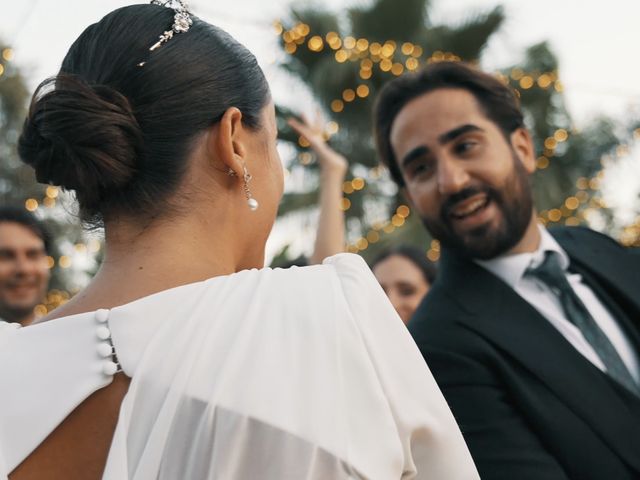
[552, 274]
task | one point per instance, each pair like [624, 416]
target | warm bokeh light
[358, 183]
[31, 204]
[411, 63]
[64, 261]
[403, 211]
[342, 56]
[572, 203]
[526, 82]
[348, 95]
[561, 135]
[315, 43]
[542, 162]
[7, 54]
[349, 43]
[362, 91]
[407, 48]
[373, 236]
[397, 69]
[337, 106]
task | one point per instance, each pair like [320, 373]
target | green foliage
[389, 20]
[466, 40]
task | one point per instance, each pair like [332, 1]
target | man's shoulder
[438, 318]
[571, 235]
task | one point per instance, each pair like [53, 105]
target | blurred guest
[405, 275]
[532, 334]
[24, 274]
[333, 168]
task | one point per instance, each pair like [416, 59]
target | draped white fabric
[305, 373]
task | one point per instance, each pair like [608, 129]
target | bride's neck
[183, 249]
[166, 254]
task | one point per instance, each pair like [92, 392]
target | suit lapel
[496, 312]
[615, 278]
[620, 272]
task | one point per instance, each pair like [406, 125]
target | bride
[183, 358]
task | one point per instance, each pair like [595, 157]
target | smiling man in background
[533, 335]
[24, 274]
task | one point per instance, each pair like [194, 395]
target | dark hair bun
[81, 137]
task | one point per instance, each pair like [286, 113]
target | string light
[373, 235]
[347, 187]
[362, 91]
[337, 106]
[526, 82]
[561, 135]
[315, 43]
[358, 183]
[31, 204]
[348, 95]
[542, 162]
[64, 261]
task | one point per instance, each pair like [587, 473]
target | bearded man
[532, 334]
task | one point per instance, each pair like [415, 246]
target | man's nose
[23, 264]
[452, 176]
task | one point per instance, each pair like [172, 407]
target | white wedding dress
[298, 374]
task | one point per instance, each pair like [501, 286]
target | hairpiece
[181, 21]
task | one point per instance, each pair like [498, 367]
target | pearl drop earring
[252, 202]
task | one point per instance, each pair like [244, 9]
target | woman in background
[405, 275]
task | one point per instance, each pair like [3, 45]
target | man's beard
[514, 201]
[15, 313]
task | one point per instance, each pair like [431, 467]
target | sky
[596, 43]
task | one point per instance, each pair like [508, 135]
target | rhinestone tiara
[181, 22]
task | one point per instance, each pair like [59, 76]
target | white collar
[511, 268]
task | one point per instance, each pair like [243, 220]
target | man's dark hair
[414, 255]
[28, 220]
[496, 100]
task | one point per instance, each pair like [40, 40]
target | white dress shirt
[511, 269]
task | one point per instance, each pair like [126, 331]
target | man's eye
[465, 146]
[420, 167]
[407, 291]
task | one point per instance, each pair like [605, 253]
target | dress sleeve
[431, 441]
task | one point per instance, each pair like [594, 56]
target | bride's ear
[228, 142]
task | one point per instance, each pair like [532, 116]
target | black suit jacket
[528, 404]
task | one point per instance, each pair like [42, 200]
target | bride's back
[79, 446]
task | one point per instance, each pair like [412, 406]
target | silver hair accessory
[246, 176]
[181, 21]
